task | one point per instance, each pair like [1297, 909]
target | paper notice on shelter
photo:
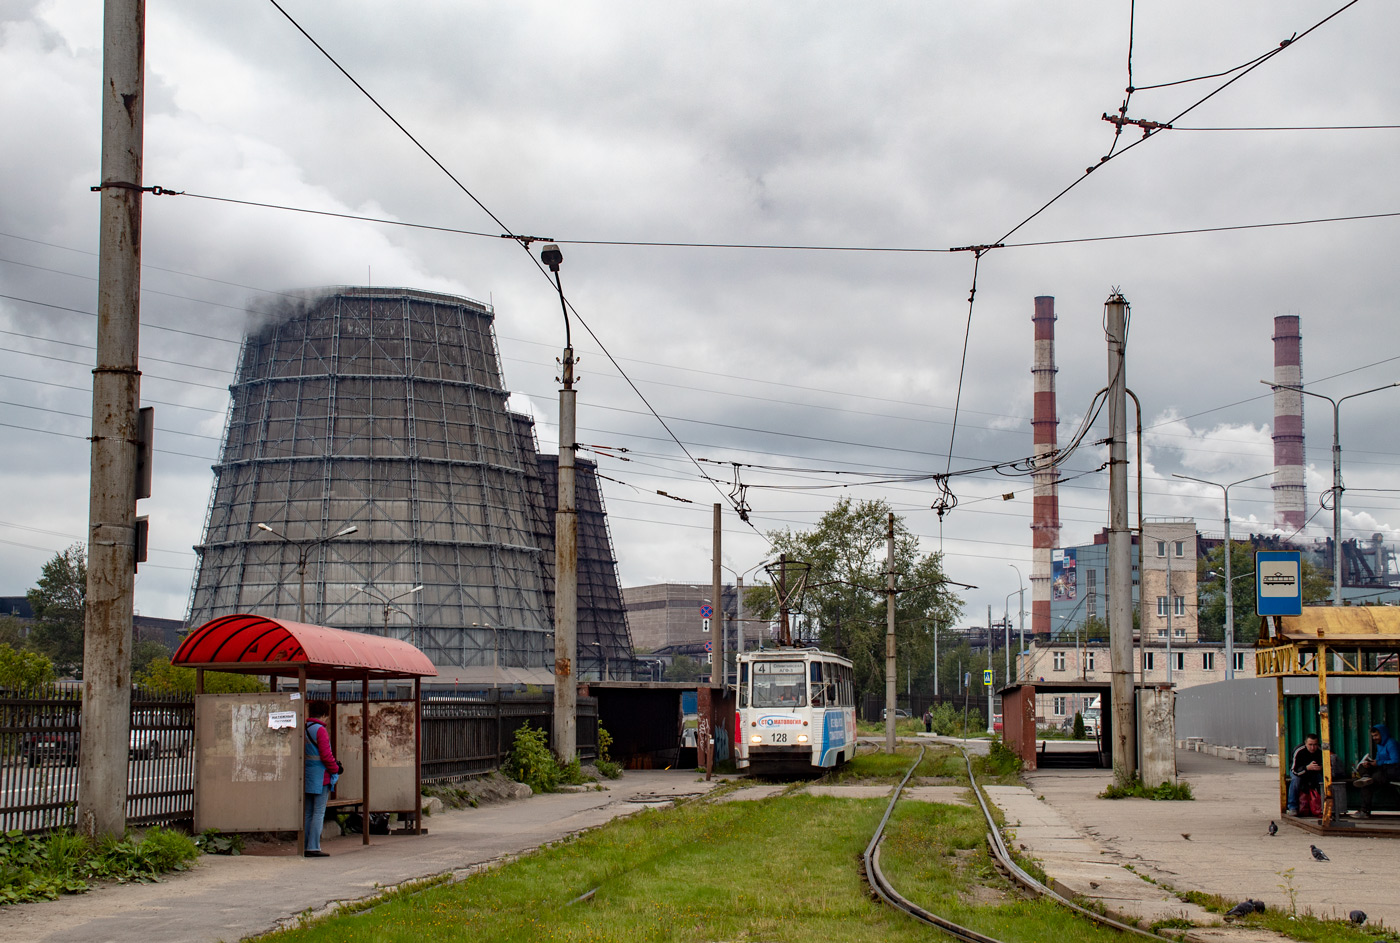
[279, 719]
[295, 696]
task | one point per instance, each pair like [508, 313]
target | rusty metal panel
[392, 776]
[248, 776]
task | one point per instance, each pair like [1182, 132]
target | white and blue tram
[795, 713]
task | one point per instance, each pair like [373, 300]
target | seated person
[1305, 771]
[1380, 771]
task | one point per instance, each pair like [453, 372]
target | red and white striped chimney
[1045, 525]
[1290, 493]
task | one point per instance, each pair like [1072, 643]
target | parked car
[156, 733]
[899, 712]
[36, 746]
[996, 722]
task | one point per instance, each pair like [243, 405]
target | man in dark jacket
[1305, 770]
[1380, 769]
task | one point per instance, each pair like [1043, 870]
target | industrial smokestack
[1045, 525]
[1290, 495]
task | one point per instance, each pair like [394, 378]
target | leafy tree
[59, 602]
[12, 632]
[684, 668]
[143, 653]
[1078, 730]
[21, 670]
[1317, 588]
[160, 675]
[845, 600]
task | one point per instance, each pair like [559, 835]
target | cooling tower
[1045, 523]
[1290, 495]
[381, 409]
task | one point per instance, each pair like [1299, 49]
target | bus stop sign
[1278, 582]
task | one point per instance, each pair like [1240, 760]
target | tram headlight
[755, 739]
[802, 738]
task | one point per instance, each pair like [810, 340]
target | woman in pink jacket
[320, 765]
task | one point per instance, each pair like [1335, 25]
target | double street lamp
[1229, 583]
[389, 601]
[1336, 472]
[304, 548]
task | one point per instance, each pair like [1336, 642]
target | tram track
[887, 892]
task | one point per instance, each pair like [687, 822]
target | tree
[12, 632]
[143, 653]
[845, 599]
[1210, 596]
[684, 668]
[24, 670]
[59, 602]
[161, 676]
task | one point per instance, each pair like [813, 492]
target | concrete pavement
[1217, 844]
[229, 898]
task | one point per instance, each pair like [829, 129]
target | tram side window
[818, 685]
[743, 685]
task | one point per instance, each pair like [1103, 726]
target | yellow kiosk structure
[1326, 643]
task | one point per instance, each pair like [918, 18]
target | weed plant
[41, 867]
[531, 761]
[1139, 790]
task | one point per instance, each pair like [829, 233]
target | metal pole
[565, 546]
[935, 658]
[717, 599]
[301, 585]
[1336, 507]
[738, 622]
[1120, 562]
[890, 676]
[989, 668]
[116, 391]
[1021, 653]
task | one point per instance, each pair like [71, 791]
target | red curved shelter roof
[253, 644]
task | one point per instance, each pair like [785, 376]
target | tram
[796, 711]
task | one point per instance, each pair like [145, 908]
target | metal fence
[463, 737]
[40, 733]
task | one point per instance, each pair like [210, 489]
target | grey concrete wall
[1244, 712]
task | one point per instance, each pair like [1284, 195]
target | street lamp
[305, 547]
[1020, 655]
[1229, 594]
[1336, 472]
[738, 611]
[389, 601]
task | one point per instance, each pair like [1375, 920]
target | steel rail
[886, 891]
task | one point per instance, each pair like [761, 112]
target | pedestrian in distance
[1381, 768]
[1305, 771]
[928, 721]
[322, 771]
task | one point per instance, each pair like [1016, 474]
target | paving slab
[752, 793]
[229, 898]
[851, 792]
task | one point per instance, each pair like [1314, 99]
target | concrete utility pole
[717, 599]
[116, 393]
[890, 676]
[1120, 551]
[565, 544]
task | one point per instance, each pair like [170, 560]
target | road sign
[987, 676]
[1278, 582]
[709, 646]
[707, 612]
[704, 625]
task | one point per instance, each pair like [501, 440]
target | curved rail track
[887, 892]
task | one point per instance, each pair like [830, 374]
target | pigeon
[1357, 917]
[1258, 906]
[1273, 827]
[1317, 853]
[1186, 835]
[1242, 909]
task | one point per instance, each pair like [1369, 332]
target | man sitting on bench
[1380, 771]
[1305, 770]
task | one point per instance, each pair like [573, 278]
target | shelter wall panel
[392, 776]
[248, 777]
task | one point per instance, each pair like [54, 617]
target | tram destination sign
[1278, 582]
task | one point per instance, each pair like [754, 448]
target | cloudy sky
[878, 125]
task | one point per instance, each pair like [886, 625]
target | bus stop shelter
[249, 751]
[1326, 643]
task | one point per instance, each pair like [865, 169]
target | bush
[946, 719]
[1166, 791]
[1079, 732]
[604, 764]
[1001, 761]
[531, 761]
[43, 867]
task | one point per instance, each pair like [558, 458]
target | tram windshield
[779, 684]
